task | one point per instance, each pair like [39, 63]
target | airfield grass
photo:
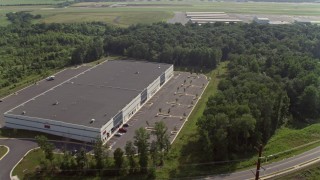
[3, 151]
[35, 2]
[122, 19]
[155, 11]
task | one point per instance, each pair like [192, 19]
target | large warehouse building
[94, 103]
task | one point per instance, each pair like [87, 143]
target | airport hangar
[93, 104]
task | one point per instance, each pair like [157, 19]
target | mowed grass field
[17, 2]
[128, 13]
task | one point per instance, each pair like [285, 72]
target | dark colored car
[125, 125]
[122, 130]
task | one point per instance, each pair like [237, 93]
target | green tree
[309, 102]
[99, 154]
[154, 153]
[118, 159]
[160, 131]
[81, 158]
[130, 152]
[141, 138]
[46, 147]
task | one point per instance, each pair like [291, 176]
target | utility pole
[259, 162]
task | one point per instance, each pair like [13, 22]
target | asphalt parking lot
[31, 91]
[172, 104]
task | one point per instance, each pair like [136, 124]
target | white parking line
[190, 113]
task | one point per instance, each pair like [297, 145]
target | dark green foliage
[141, 141]
[130, 152]
[118, 159]
[81, 159]
[274, 79]
[162, 142]
[68, 162]
[99, 154]
[33, 49]
[21, 18]
[46, 147]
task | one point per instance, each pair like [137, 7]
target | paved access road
[17, 149]
[271, 168]
[31, 91]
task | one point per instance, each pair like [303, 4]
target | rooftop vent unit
[55, 103]
[92, 121]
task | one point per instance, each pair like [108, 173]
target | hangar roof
[98, 93]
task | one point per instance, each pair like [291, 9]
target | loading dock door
[144, 96]
[162, 78]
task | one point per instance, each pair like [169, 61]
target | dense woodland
[32, 49]
[273, 71]
[273, 76]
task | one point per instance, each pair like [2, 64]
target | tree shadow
[300, 124]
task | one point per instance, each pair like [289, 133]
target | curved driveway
[18, 148]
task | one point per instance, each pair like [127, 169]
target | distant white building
[302, 21]
[260, 20]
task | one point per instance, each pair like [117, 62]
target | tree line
[139, 157]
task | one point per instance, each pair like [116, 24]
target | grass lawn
[3, 151]
[29, 163]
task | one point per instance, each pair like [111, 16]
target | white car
[50, 78]
[118, 134]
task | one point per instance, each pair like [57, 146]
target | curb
[187, 118]
[20, 161]
[8, 149]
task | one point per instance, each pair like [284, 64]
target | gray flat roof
[99, 93]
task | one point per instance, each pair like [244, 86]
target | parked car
[118, 134]
[125, 125]
[50, 78]
[122, 130]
